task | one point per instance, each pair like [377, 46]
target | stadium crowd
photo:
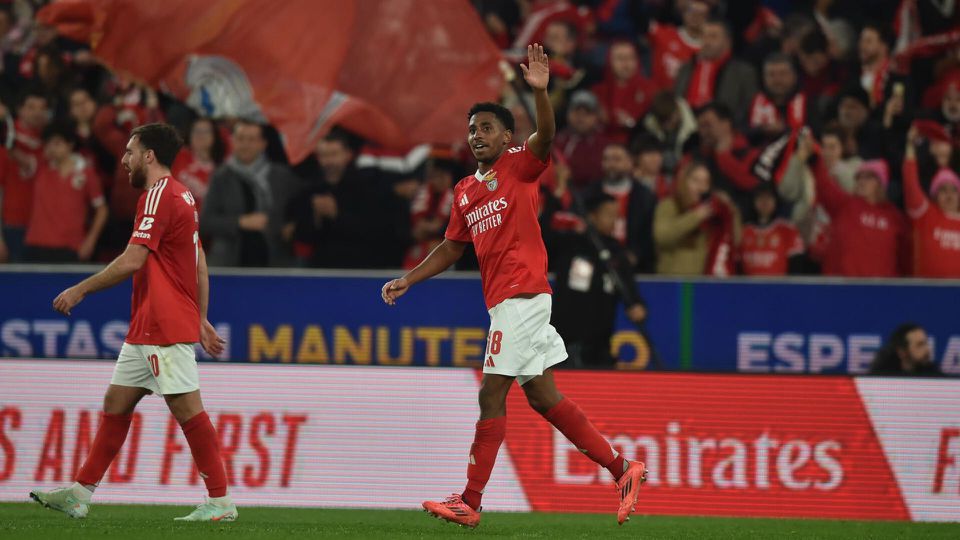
[748, 137]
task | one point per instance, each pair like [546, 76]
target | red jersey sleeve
[916, 202]
[457, 227]
[152, 219]
[526, 166]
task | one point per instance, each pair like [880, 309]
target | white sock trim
[82, 492]
[220, 501]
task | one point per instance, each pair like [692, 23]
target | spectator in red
[25, 158]
[771, 246]
[66, 187]
[672, 47]
[430, 209]
[778, 107]
[670, 121]
[581, 143]
[936, 228]
[714, 75]
[949, 113]
[204, 152]
[634, 226]
[624, 93]
[648, 168]
[869, 233]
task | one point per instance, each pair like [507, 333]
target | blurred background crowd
[697, 137]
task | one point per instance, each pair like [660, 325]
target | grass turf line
[29, 521]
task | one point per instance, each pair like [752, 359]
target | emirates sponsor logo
[724, 461]
[486, 216]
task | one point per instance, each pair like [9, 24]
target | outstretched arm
[120, 269]
[447, 253]
[537, 75]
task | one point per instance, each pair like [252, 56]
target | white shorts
[164, 370]
[522, 343]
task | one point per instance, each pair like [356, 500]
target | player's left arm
[537, 75]
[131, 260]
[209, 339]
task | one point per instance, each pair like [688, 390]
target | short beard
[138, 178]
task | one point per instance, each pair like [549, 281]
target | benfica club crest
[490, 179]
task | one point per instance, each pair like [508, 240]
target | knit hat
[876, 167]
[944, 177]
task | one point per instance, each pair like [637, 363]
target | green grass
[31, 522]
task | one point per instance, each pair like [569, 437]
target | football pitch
[28, 521]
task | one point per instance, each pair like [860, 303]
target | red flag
[393, 71]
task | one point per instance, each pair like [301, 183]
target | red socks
[567, 417]
[202, 438]
[110, 436]
[483, 454]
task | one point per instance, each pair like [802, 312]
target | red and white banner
[733, 445]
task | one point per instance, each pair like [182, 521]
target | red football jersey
[765, 250]
[936, 235]
[497, 211]
[165, 308]
[59, 215]
[671, 49]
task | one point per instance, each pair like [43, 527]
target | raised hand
[537, 70]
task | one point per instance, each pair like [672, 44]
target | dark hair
[31, 92]
[450, 166]
[219, 149]
[778, 57]
[64, 130]
[163, 139]
[246, 122]
[813, 42]
[502, 113]
[722, 22]
[882, 30]
[572, 31]
[646, 143]
[898, 339]
[342, 137]
[617, 145]
[833, 128]
[595, 201]
[664, 105]
[722, 111]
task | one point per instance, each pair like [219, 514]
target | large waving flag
[399, 72]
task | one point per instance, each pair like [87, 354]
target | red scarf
[720, 254]
[763, 111]
[879, 83]
[703, 80]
